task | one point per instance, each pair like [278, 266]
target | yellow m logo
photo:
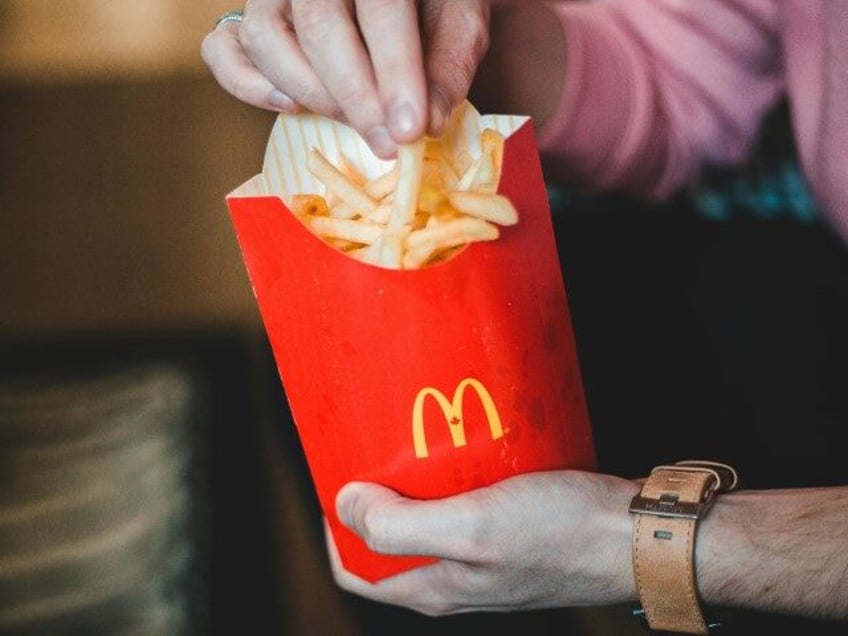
[452, 410]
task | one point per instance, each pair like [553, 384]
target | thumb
[392, 524]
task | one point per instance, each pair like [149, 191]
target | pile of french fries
[430, 204]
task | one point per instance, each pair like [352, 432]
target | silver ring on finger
[236, 15]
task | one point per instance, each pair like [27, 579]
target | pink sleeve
[655, 88]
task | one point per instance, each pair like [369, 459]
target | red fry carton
[432, 381]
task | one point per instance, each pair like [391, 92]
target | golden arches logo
[452, 410]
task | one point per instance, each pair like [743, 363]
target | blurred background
[151, 481]
[143, 487]
[117, 152]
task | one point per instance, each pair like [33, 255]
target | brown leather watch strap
[667, 510]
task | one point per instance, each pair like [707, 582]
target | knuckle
[312, 96]
[480, 535]
[207, 48]
[383, 10]
[358, 104]
[375, 531]
[479, 539]
[252, 34]
[468, 581]
[476, 26]
[307, 94]
[458, 57]
[471, 19]
[457, 73]
[356, 93]
[310, 18]
[213, 47]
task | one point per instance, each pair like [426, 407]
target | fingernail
[380, 142]
[402, 119]
[439, 110]
[279, 100]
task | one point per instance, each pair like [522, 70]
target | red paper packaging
[432, 381]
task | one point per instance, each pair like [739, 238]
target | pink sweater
[655, 88]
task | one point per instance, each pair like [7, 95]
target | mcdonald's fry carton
[431, 381]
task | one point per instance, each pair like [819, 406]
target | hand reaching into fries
[392, 70]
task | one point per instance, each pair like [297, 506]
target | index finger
[391, 31]
[330, 38]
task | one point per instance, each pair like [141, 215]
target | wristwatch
[666, 513]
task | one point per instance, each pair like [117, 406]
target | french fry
[432, 174]
[387, 252]
[309, 204]
[493, 143]
[432, 202]
[462, 162]
[343, 245]
[489, 207]
[479, 176]
[410, 167]
[347, 229]
[382, 185]
[342, 210]
[449, 214]
[423, 244]
[348, 169]
[453, 232]
[334, 180]
[380, 215]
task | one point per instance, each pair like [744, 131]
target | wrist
[613, 526]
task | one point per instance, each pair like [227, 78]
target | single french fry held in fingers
[410, 164]
[421, 211]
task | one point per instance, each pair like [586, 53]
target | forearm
[782, 551]
[634, 95]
